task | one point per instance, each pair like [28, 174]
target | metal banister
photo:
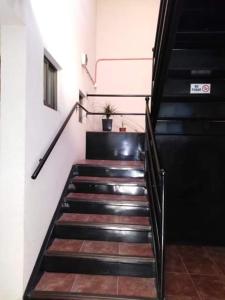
[119, 95]
[155, 182]
[43, 160]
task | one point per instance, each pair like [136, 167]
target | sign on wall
[200, 88]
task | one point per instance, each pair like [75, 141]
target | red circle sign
[205, 88]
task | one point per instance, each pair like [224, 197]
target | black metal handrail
[43, 160]
[168, 21]
[119, 95]
[155, 181]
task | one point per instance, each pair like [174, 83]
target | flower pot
[106, 124]
[122, 129]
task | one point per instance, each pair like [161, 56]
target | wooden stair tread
[112, 163]
[95, 285]
[106, 219]
[110, 180]
[101, 247]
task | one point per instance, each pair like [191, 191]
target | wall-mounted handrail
[116, 114]
[119, 95]
[155, 182]
[43, 160]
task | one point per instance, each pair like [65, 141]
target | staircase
[188, 111]
[100, 243]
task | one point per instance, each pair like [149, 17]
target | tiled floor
[192, 273]
[195, 273]
[98, 284]
[102, 247]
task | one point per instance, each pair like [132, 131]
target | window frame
[50, 78]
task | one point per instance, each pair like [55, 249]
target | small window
[50, 84]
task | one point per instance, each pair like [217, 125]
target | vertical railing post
[162, 265]
[146, 128]
[147, 101]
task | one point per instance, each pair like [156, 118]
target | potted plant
[107, 123]
[122, 128]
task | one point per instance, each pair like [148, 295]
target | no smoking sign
[200, 88]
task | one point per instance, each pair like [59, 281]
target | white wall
[27, 126]
[125, 28]
[11, 12]
[70, 32]
[12, 160]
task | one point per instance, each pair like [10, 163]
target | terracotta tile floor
[97, 284]
[109, 219]
[195, 273]
[102, 247]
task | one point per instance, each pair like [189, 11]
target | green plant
[109, 110]
[123, 124]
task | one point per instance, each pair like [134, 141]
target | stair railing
[43, 160]
[155, 181]
[169, 16]
[77, 105]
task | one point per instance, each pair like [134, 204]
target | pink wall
[125, 28]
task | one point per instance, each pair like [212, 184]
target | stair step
[110, 180]
[105, 219]
[110, 168]
[103, 227]
[48, 295]
[93, 287]
[112, 163]
[109, 198]
[108, 185]
[101, 247]
[97, 257]
[106, 204]
[91, 263]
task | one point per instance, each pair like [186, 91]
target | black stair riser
[108, 172]
[128, 145]
[197, 59]
[200, 40]
[200, 74]
[56, 295]
[84, 233]
[83, 187]
[101, 208]
[190, 128]
[178, 88]
[212, 110]
[92, 266]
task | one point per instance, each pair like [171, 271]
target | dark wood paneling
[114, 145]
